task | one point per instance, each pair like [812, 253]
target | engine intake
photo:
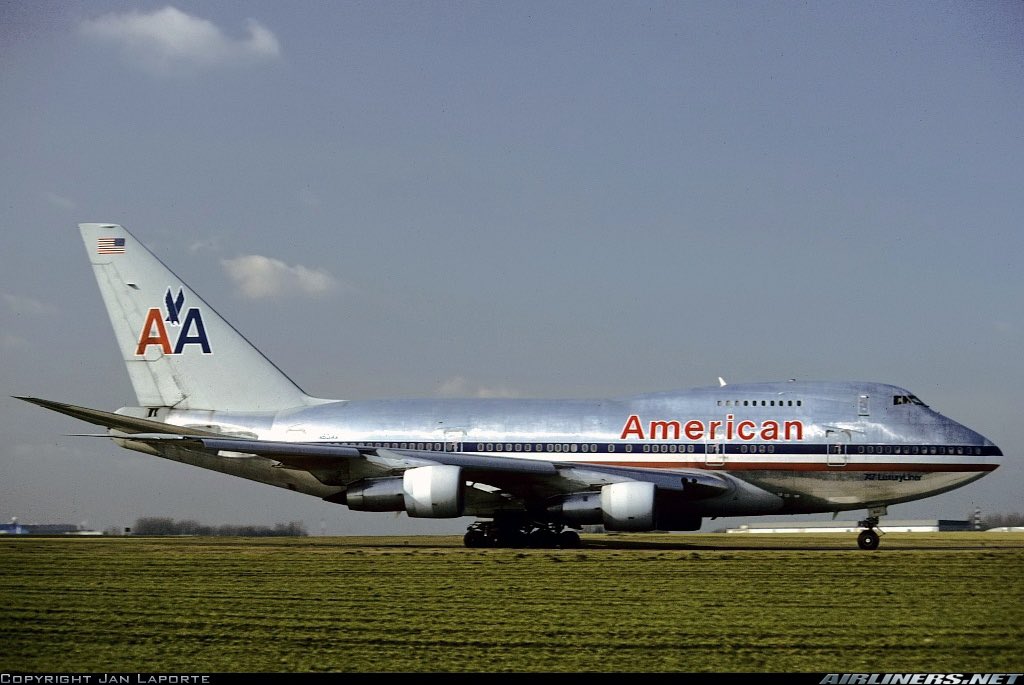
[628, 506]
[433, 491]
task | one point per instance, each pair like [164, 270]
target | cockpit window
[907, 399]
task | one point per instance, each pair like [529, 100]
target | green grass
[926, 603]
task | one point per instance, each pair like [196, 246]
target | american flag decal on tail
[110, 246]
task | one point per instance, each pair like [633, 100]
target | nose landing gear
[869, 537]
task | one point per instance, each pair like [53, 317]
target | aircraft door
[714, 453]
[453, 439]
[836, 441]
[837, 454]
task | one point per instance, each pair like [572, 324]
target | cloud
[261, 277]
[168, 40]
[212, 244]
[21, 304]
[460, 386]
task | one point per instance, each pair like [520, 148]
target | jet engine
[425, 492]
[618, 506]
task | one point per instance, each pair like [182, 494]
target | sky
[531, 199]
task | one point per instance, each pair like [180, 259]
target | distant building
[17, 528]
[931, 526]
[13, 528]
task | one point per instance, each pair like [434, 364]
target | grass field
[930, 602]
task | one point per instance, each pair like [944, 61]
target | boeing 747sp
[533, 471]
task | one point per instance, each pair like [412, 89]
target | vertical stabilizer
[178, 350]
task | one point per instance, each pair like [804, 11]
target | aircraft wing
[526, 478]
[339, 463]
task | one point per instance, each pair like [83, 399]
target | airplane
[533, 472]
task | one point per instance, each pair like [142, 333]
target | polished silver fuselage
[811, 446]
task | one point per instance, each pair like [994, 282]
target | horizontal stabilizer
[128, 424]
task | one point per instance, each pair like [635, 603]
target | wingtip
[40, 402]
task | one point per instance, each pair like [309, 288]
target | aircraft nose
[997, 456]
[986, 452]
[991, 454]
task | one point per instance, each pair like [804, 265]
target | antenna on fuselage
[721, 382]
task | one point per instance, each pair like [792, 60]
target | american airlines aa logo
[189, 331]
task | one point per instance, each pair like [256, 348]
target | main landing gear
[869, 537]
[520, 534]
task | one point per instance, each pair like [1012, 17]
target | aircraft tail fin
[178, 350]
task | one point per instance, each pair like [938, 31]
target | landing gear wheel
[510, 537]
[474, 538]
[868, 539]
[569, 539]
[517, 532]
[543, 537]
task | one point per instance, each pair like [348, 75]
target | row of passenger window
[760, 403]
[549, 447]
[664, 448]
[496, 446]
[916, 449]
[425, 446]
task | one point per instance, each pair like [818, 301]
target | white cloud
[211, 244]
[22, 304]
[261, 277]
[460, 386]
[168, 39]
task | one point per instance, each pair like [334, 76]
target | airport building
[15, 527]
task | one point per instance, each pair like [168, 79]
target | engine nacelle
[618, 506]
[433, 491]
[579, 509]
[424, 492]
[376, 494]
[628, 506]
